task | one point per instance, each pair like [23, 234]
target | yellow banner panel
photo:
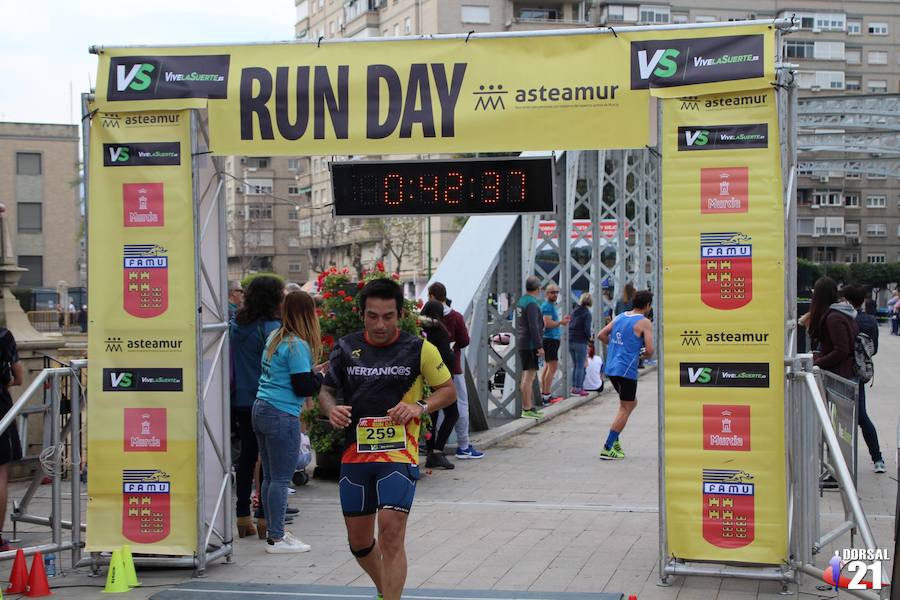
[142, 381]
[723, 283]
[439, 95]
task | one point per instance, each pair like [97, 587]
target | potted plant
[338, 316]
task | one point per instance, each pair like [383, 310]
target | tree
[401, 237]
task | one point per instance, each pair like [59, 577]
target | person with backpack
[866, 347]
[832, 326]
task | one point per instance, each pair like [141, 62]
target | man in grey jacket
[529, 338]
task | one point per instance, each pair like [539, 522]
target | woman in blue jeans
[288, 378]
[579, 336]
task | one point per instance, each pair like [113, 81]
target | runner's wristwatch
[424, 405]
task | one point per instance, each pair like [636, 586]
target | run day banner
[577, 91]
[723, 301]
[142, 417]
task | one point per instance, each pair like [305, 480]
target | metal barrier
[52, 321]
[821, 418]
[48, 386]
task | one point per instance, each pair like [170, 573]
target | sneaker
[290, 490]
[555, 400]
[618, 448]
[468, 453]
[534, 413]
[583, 393]
[611, 453]
[290, 510]
[879, 466]
[5, 545]
[438, 461]
[286, 545]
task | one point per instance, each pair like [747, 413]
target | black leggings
[246, 461]
[439, 438]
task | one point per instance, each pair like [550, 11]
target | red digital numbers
[453, 189]
[392, 185]
[428, 184]
[515, 186]
[490, 187]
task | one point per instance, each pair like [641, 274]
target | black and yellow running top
[376, 378]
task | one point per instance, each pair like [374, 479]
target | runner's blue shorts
[368, 487]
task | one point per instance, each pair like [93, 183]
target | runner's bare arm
[603, 336]
[441, 395]
[338, 414]
[647, 331]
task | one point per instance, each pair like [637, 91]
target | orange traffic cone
[18, 578]
[38, 586]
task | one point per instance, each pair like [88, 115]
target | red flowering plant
[338, 316]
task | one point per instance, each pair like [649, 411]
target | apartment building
[264, 200]
[846, 47]
[39, 187]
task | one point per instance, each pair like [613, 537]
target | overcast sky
[44, 43]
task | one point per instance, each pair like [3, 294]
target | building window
[294, 214]
[829, 51]
[304, 227]
[293, 242]
[853, 85]
[851, 257]
[798, 49]
[877, 86]
[853, 56]
[29, 216]
[396, 29]
[807, 21]
[476, 14]
[830, 22]
[805, 226]
[255, 239]
[851, 200]
[876, 28]
[876, 230]
[705, 19]
[35, 275]
[539, 14]
[407, 26]
[28, 163]
[293, 190]
[294, 164]
[877, 57]
[819, 80]
[825, 255]
[819, 227]
[854, 27]
[679, 18]
[258, 187]
[259, 211]
[835, 225]
[655, 14]
[258, 163]
[852, 229]
[876, 202]
[294, 267]
[827, 198]
[875, 259]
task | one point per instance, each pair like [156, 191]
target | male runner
[551, 341]
[382, 372]
[529, 335]
[629, 337]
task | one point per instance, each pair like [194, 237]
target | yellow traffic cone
[130, 573]
[116, 580]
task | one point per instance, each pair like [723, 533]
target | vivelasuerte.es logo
[142, 154]
[142, 380]
[731, 375]
[671, 63]
[161, 77]
[698, 338]
[115, 344]
[723, 137]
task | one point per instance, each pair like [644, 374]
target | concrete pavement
[541, 513]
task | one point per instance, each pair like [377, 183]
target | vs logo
[661, 64]
[137, 77]
[119, 154]
[699, 375]
[121, 380]
[699, 137]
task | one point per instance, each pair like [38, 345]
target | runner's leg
[391, 541]
[360, 534]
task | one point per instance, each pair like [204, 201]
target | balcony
[360, 15]
[539, 14]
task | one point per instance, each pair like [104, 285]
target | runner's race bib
[379, 434]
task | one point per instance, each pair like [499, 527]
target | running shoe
[468, 453]
[438, 461]
[611, 453]
[296, 541]
[618, 448]
[534, 413]
[290, 510]
[5, 545]
[555, 399]
[583, 393]
[879, 466]
[286, 545]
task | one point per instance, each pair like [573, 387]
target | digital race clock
[427, 187]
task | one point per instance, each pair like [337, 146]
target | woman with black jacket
[431, 317]
[832, 325]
